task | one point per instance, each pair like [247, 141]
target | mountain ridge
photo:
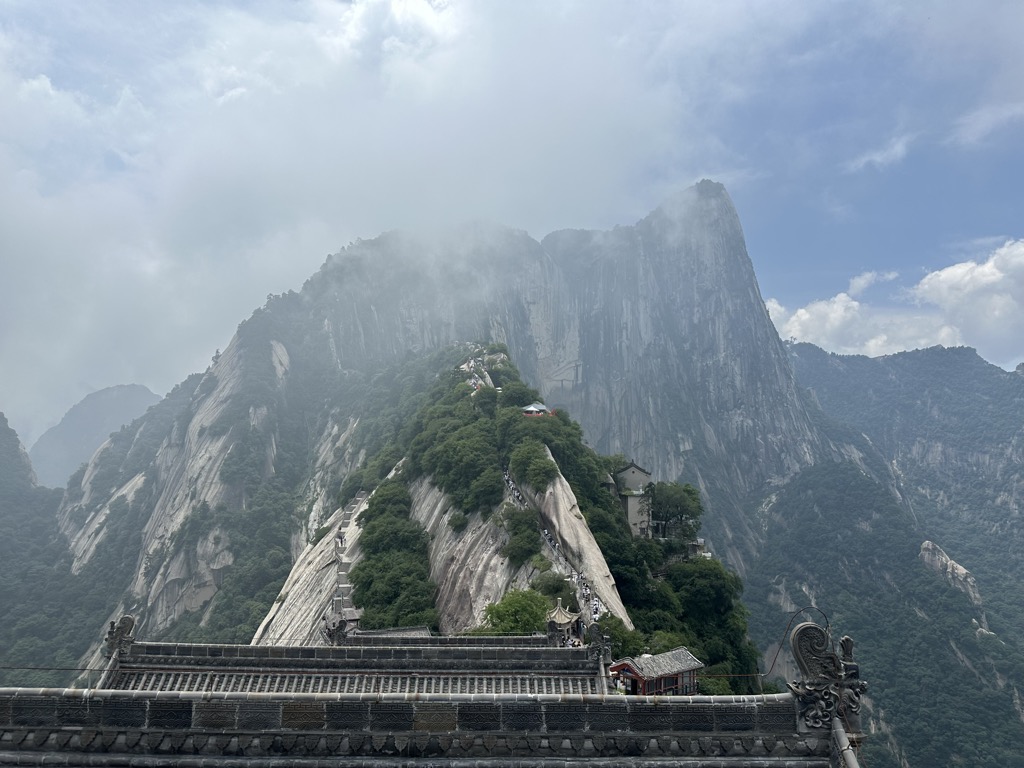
[60, 450]
[654, 337]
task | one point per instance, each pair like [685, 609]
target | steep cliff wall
[665, 353]
[654, 336]
[307, 596]
[561, 515]
[468, 567]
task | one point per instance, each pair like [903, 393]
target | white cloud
[162, 171]
[985, 299]
[865, 280]
[893, 152]
[842, 324]
[977, 303]
[163, 168]
[979, 124]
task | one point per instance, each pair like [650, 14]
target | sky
[166, 166]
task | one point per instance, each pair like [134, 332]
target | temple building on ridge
[630, 484]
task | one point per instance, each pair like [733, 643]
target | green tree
[520, 612]
[677, 507]
[486, 399]
[517, 394]
[705, 588]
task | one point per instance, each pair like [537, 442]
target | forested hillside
[946, 670]
[49, 606]
[62, 449]
[462, 438]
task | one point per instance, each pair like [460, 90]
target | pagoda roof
[407, 664]
[560, 615]
[631, 465]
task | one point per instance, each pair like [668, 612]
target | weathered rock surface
[955, 574]
[307, 596]
[561, 515]
[467, 566]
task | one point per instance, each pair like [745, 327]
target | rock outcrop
[561, 516]
[955, 574]
[468, 565]
[307, 597]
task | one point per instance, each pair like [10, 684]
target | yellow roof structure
[560, 616]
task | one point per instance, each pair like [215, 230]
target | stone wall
[78, 727]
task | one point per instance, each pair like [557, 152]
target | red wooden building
[673, 673]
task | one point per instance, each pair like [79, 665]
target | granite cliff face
[653, 336]
[468, 566]
[668, 329]
[955, 574]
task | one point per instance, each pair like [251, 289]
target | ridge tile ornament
[831, 685]
[119, 637]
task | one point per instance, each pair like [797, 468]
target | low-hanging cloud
[162, 171]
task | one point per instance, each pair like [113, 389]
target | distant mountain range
[822, 476]
[63, 448]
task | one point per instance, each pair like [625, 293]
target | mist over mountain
[655, 338]
[61, 449]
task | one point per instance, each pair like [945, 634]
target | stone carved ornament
[831, 685]
[119, 636]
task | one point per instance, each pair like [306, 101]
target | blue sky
[165, 166]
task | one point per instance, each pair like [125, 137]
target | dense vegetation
[462, 438]
[51, 615]
[519, 612]
[912, 629]
[392, 581]
[952, 426]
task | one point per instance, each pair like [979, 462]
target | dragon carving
[831, 684]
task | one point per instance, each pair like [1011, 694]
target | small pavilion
[563, 622]
[664, 674]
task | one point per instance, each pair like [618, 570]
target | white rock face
[958, 576]
[561, 515]
[306, 597]
[82, 541]
[187, 474]
[468, 567]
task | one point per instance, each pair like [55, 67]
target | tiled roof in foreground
[449, 702]
[663, 664]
